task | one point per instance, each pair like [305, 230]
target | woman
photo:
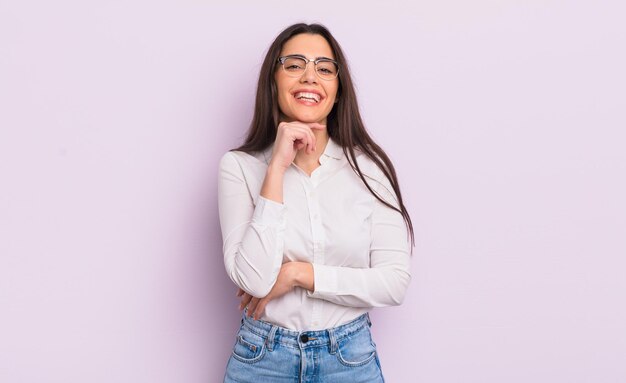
[315, 232]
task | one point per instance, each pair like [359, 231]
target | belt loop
[333, 341]
[369, 322]
[270, 338]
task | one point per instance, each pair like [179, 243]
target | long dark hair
[344, 123]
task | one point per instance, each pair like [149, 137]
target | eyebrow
[317, 58]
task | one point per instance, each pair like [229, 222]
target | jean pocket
[356, 349]
[249, 348]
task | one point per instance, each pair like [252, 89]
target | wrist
[302, 275]
[275, 169]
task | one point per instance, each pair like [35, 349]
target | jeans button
[304, 338]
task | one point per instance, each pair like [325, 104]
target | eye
[326, 68]
[294, 64]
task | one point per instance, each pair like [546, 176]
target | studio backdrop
[505, 120]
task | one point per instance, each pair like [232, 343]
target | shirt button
[304, 338]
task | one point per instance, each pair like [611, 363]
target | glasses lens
[327, 70]
[294, 66]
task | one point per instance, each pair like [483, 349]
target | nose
[309, 74]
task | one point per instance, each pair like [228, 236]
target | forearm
[347, 286]
[272, 188]
[368, 287]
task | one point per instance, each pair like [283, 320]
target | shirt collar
[333, 150]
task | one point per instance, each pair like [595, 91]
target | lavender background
[505, 120]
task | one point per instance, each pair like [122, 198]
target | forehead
[310, 45]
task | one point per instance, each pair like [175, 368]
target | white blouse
[359, 247]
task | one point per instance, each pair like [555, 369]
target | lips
[308, 96]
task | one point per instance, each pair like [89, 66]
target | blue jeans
[267, 353]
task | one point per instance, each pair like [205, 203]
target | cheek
[332, 100]
[284, 96]
[283, 101]
[332, 92]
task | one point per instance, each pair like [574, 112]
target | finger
[240, 292]
[313, 141]
[245, 301]
[304, 135]
[260, 308]
[316, 125]
[252, 306]
[300, 145]
[310, 139]
[302, 131]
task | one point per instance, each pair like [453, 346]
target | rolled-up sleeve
[386, 280]
[253, 234]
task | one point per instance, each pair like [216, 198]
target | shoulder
[369, 167]
[235, 159]
[366, 164]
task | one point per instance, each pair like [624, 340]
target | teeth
[309, 96]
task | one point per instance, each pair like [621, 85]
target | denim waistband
[304, 339]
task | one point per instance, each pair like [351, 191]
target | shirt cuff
[325, 279]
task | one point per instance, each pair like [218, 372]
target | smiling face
[306, 98]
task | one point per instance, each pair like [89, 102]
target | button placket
[317, 232]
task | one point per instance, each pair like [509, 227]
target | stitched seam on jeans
[350, 332]
[256, 331]
[355, 364]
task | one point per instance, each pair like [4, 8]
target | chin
[308, 118]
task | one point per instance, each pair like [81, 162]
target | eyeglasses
[295, 65]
